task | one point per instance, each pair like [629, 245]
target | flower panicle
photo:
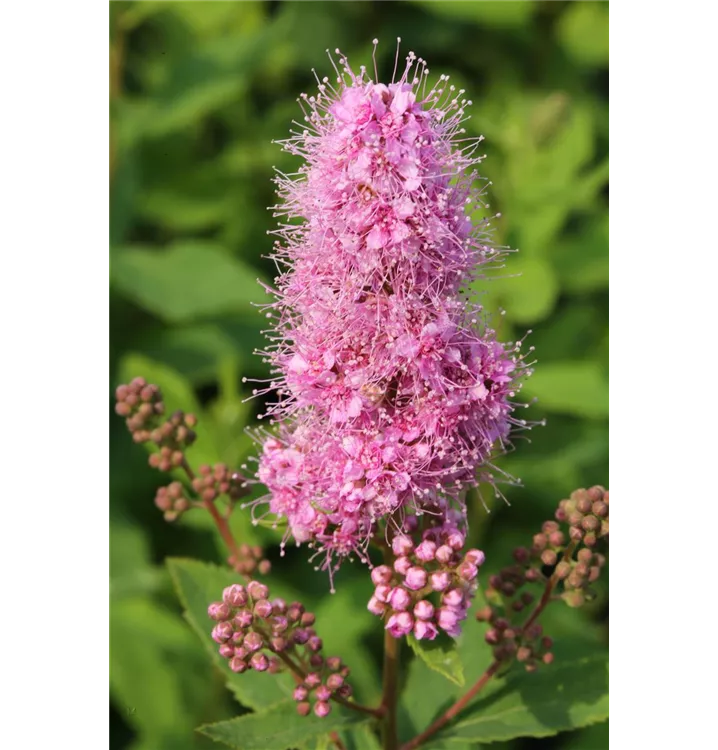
[256, 633]
[562, 563]
[393, 392]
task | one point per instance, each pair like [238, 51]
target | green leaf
[528, 291]
[565, 695]
[199, 584]
[582, 31]
[441, 655]
[187, 281]
[570, 387]
[496, 14]
[594, 737]
[280, 727]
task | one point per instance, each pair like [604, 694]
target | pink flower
[391, 389]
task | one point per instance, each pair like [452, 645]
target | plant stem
[546, 596]
[391, 681]
[219, 520]
[450, 713]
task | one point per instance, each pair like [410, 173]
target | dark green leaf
[441, 655]
[570, 387]
[187, 281]
[280, 728]
[565, 695]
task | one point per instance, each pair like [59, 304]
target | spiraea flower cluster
[393, 391]
[556, 566]
[257, 634]
[430, 587]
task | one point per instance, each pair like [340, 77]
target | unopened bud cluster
[430, 586]
[172, 501]
[256, 633]
[548, 564]
[142, 406]
[249, 560]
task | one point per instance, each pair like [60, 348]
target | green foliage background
[199, 90]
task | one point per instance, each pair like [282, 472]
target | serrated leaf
[187, 281]
[570, 387]
[280, 728]
[565, 695]
[199, 584]
[441, 655]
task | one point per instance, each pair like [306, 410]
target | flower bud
[243, 619]
[381, 574]
[257, 590]
[440, 580]
[226, 650]
[323, 693]
[259, 662]
[322, 708]
[456, 540]
[218, 611]
[263, 608]
[426, 551]
[376, 607]
[335, 681]
[476, 557]
[467, 571]
[312, 680]
[453, 598]
[399, 599]
[235, 596]
[424, 610]
[401, 565]
[252, 641]
[300, 693]
[444, 554]
[402, 545]
[237, 665]
[222, 632]
[382, 591]
[415, 578]
[400, 624]
[304, 708]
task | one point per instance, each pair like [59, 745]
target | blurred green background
[198, 91]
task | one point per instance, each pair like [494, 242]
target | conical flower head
[392, 389]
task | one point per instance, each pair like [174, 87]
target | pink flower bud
[426, 551]
[238, 637]
[307, 619]
[335, 681]
[312, 680]
[467, 571]
[444, 554]
[448, 620]
[402, 545]
[382, 592]
[303, 708]
[263, 608]
[237, 665]
[440, 580]
[453, 598]
[322, 709]
[314, 643]
[424, 610]
[257, 590]
[259, 662]
[399, 599]
[279, 606]
[475, 556]
[219, 611]
[241, 652]
[300, 693]
[300, 636]
[425, 630]
[222, 632]
[243, 619]
[279, 624]
[376, 607]
[323, 693]
[456, 540]
[253, 641]
[235, 595]
[415, 579]
[401, 565]
[279, 644]
[381, 574]
[400, 624]
[226, 650]
[334, 663]
[294, 612]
